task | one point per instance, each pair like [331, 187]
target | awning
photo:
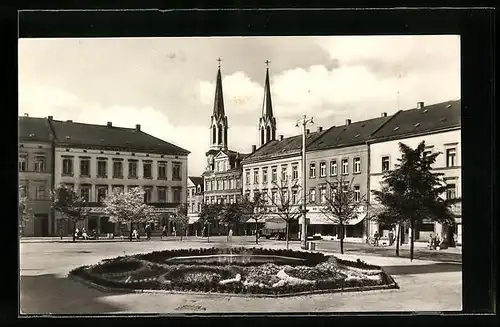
[318, 218]
[193, 219]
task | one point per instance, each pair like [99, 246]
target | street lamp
[304, 121]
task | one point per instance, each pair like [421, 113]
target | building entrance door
[41, 225]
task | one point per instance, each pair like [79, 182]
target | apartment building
[439, 125]
[194, 202]
[35, 158]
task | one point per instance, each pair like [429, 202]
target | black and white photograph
[252, 174]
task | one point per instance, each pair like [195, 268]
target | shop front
[320, 224]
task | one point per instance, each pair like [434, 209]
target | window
[85, 193]
[40, 192]
[295, 172]
[334, 189]
[294, 197]
[451, 155]
[345, 187]
[101, 193]
[247, 177]
[312, 170]
[284, 173]
[213, 186]
[274, 197]
[357, 165]
[385, 164]
[85, 167]
[117, 189]
[357, 193]
[256, 176]
[117, 169]
[219, 184]
[199, 207]
[333, 168]
[102, 168]
[207, 185]
[132, 169]
[264, 175]
[226, 184]
[274, 174]
[322, 169]
[345, 166]
[177, 194]
[162, 170]
[322, 194]
[176, 171]
[312, 195]
[23, 162]
[147, 194]
[451, 191]
[232, 184]
[40, 164]
[67, 167]
[147, 170]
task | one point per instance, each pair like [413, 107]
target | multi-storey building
[195, 190]
[94, 160]
[439, 125]
[341, 154]
[35, 173]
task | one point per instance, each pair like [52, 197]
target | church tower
[267, 122]
[218, 120]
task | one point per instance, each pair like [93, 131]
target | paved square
[425, 285]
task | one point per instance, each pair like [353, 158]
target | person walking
[163, 232]
[391, 237]
[376, 236]
[148, 231]
[230, 234]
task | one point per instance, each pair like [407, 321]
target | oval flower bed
[315, 272]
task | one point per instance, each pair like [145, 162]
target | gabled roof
[197, 180]
[78, 134]
[348, 135]
[430, 118]
[34, 129]
[277, 149]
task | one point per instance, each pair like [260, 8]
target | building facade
[195, 189]
[35, 160]
[439, 125]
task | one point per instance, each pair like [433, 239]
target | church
[223, 173]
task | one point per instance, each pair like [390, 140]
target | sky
[167, 84]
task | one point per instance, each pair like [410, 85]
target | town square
[327, 180]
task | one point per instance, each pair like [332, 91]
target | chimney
[347, 122]
[254, 148]
[320, 128]
[50, 117]
[69, 121]
[138, 127]
[281, 137]
[384, 114]
[420, 105]
[110, 124]
[308, 131]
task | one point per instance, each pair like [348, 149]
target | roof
[197, 180]
[348, 135]
[219, 97]
[267, 105]
[34, 129]
[430, 118]
[276, 149]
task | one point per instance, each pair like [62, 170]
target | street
[425, 285]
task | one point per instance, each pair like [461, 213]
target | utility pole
[304, 121]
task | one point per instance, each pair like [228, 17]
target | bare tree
[25, 213]
[70, 206]
[256, 209]
[286, 201]
[341, 204]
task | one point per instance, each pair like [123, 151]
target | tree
[341, 204]
[230, 216]
[25, 213]
[256, 209]
[209, 214]
[70, 206]
[181, 220]
[285, 198]
[413, 193]
[128, 207]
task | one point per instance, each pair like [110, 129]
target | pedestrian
[391, 237]
[230, 234]
[148, 231]
[203, 232]
[173, 230]
[163, 232]
[376, 236]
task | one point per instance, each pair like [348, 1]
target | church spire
[267, 122]
[218, 120]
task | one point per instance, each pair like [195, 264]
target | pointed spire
[267, 106]
[219, 97]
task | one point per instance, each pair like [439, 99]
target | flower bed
[315, 272]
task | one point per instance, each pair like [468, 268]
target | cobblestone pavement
[425, 285]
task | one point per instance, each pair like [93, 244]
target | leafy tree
[181, 220]
[70, 206]
[128, 207]
[25, 212]
[209, 214]
[256, 209]
[230, 215]
[285, 199]
[413, 193]
[340, 205]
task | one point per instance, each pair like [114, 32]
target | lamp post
[304, 121]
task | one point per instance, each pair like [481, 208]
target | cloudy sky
[167, 84]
